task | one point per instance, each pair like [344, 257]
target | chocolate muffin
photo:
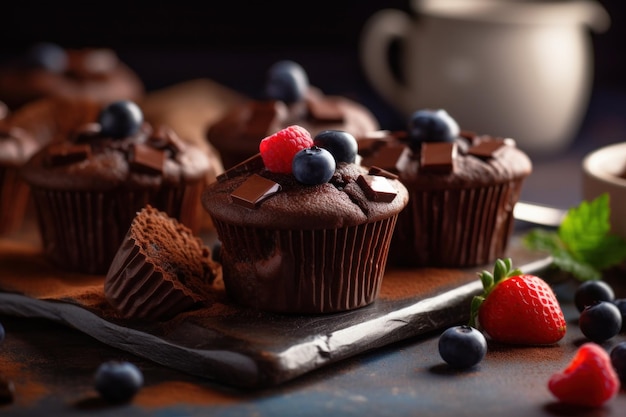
[49, 70]
[88, 188]
[160, 269]
[463, 187]
[289, 100]
[24, 132]
[293, 241]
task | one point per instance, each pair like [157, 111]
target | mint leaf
[582, 245]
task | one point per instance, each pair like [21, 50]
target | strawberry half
[589, 380]
[517, 308]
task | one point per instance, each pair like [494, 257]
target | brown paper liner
[14, 197]
[138, 290]
[455, 228]
[305, 271]
[82, 230]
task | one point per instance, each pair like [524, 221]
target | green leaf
[583, 244]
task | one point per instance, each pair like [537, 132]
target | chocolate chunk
[254, 190]
[67, 153]
[145, 159]
[254, 163]
[383, 173]
[487, 148]
[325, 110]
[438, 157]
[86, 133]
[386, 158]
[377, 188]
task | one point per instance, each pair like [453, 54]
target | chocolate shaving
[254, 190]
[438, 157]
[254, 163]
[67, 153]
[145, 159]
[486, 149]
[377, 188]
[383, 173]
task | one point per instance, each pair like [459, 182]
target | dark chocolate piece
[67, 153]
[486, 149]
[386, 158]
[382, 172]
[438, 157]
[86, 133]
[254, 190]
[254, 163]
[145, 159]
[377, 188]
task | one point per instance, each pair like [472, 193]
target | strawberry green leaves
[583, 244]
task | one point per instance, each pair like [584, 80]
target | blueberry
[618, 360]
[462, 346]
[600, 321]
[313, 165]
[342, 145]
[118, 381]
[620, 303]
[590, 291]
[120, 119]
[2, 333]
[47, 55]
[286, 81]
[431, 126]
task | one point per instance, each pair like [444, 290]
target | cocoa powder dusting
[181, 392]
[27, 387]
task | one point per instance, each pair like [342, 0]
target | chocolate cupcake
[289, 99]
[88, 188]
[304, 229]
[462, 186]
[49, 70]
[160, 270]
[22, 134]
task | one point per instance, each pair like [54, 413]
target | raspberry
[589, 380]
[278, 150]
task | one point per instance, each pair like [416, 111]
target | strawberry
[278, 149]
[589, 379]
[517, 308]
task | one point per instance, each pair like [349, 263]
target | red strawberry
[278, 150]
[517, 308]
[589, 380]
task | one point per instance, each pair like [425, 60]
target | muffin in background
[462, 186]
[49, 70]
[288, 99]
[303, 229]
[160, 269]
[88, 187]
[24, 132]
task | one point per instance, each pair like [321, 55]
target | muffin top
[46, 69]
[253, 194]
[118, 150]
[429, 159]
[289, 100]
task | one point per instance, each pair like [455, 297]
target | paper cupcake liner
[137, 290]
[14, 196]
[82, 230]
[305, 271]
[455, 228]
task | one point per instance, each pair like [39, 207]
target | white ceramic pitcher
[516, 68]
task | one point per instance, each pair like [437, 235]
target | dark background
[234, 42]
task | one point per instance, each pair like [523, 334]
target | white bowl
[603, 172]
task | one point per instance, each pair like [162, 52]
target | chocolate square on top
[377, 188]
[486, 149]
[146, 159]
[67, 153]
[254, 190]
[438, 157]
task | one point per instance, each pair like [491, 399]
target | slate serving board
[237, 346]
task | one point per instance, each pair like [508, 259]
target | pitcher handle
[378, 33]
